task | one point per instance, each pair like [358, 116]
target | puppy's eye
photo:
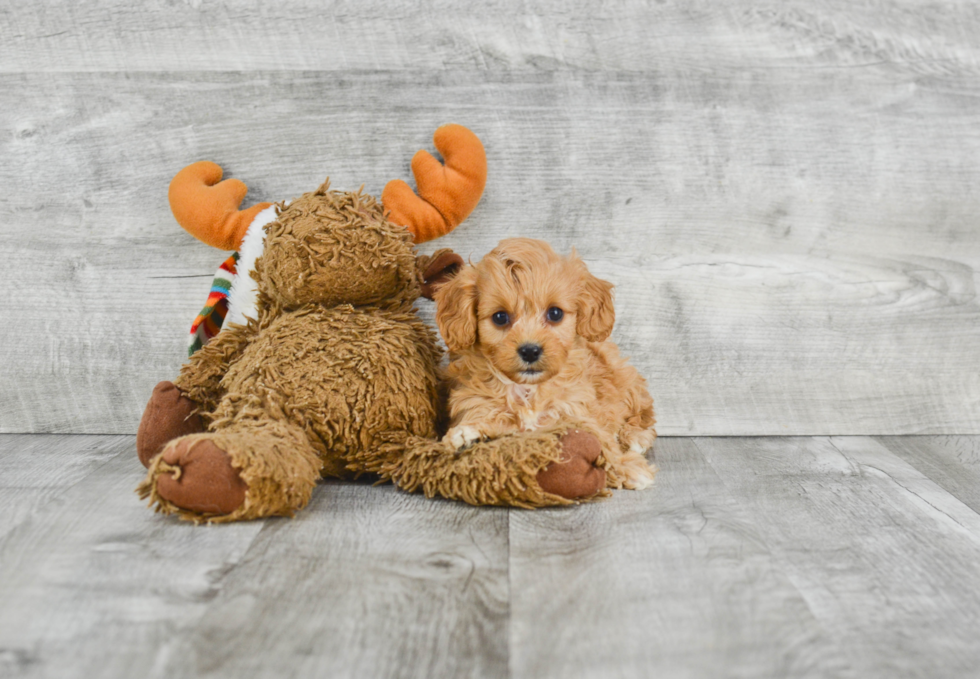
[500, 319]
[555, 314]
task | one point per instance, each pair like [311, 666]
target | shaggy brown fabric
[338, 376]
[361, 259]
[200, 378]
[498, 472]
[343, 375]
[168, 415]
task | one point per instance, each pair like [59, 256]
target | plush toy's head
[335, 247]
[329, 247]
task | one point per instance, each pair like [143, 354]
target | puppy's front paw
[639, 477]
[637, 441]
[462, 437]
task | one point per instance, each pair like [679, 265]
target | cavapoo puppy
[526, 329]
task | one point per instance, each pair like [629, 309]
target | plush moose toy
[324, 368]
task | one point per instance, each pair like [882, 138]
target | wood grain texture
[785, 557]
[646, 583]
[541, 35]
[886, 559]
[786, 194]
[39, 469]
[843, 315]
[366, 582]
[91, 582]
[952, 462]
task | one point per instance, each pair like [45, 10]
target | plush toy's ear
[208, 207]
[438, 269]
[596, 313]
[456, 303]
[447, 193]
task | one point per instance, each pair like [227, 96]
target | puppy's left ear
[596, 313]
[437, 269]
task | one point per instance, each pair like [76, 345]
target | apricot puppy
[526, 329]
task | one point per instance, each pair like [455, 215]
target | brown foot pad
[167, 417]
[575, 475]
[204, 481]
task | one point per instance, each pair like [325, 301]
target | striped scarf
[208, 322]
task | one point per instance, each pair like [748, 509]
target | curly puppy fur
[338, 375]
[527, 332]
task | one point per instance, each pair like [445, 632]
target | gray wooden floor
[754, 557]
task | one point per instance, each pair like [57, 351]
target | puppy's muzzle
[529, 353]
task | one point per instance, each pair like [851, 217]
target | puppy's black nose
[529, 352]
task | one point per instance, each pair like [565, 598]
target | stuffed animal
[324, 368]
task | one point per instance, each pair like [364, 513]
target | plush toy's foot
[198, 476]
[575, 474]
[168, 416]
[248, 470]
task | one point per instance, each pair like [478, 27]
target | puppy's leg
[640, 419]
[636, 435]
[625, 466]
[635, 439]
[631, 470]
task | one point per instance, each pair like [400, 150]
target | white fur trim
[244, 290]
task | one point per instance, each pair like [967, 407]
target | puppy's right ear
[596, 313]
[456, 310]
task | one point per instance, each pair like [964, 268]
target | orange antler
[447, 193]
[208, 207]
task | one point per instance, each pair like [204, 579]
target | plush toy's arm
[200, 377]
[548, 467]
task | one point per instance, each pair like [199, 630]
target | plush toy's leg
[168, 415]
[530, 469]
[247, 470]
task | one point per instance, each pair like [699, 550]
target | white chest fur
[522, 399]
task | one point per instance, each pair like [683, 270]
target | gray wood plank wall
[786, 193]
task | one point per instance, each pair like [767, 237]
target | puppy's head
[524, 307]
